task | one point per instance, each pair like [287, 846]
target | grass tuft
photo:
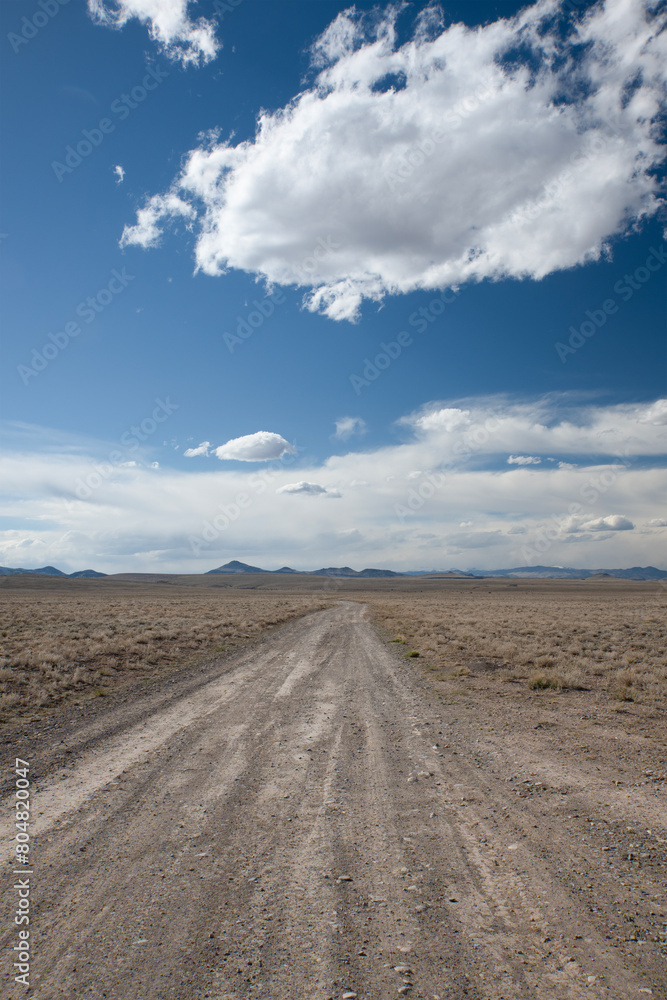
[538, 682]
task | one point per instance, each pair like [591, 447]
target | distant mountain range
[49, 571]
[238, 567]
[526, 572]
[536, 572]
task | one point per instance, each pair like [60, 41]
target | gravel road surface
[306, 821]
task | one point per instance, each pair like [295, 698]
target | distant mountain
[285, 569]
[48, 571]
[237, 567]
[568, 573]
[637, 573]
[333, 571]
[44, 571]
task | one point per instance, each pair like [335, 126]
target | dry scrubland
[510, 840]
[76, 639]
[80, 639]
[609, 637]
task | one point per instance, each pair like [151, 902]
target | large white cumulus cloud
[510, 150]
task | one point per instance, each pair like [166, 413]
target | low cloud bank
[443, 496]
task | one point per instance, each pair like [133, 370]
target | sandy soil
[306, 819]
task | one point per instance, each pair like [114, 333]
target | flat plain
[436, 788]
[67, 640]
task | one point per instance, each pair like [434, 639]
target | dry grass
[68, 639]
[57, 643]
[608, 639]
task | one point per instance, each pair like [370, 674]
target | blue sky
[292, 284]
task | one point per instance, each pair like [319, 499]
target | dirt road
[306, 822]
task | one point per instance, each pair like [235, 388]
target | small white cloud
[657, 522]
[201, 449]
[516, 530]
[146, 232]
[466, 524]
[120, 173]
[189, 42]
[308, 489]
[263, 446]
[155, 465]
[613, 522]
[565, 465]
[446, 418]
[347, 426]
[523, 460]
